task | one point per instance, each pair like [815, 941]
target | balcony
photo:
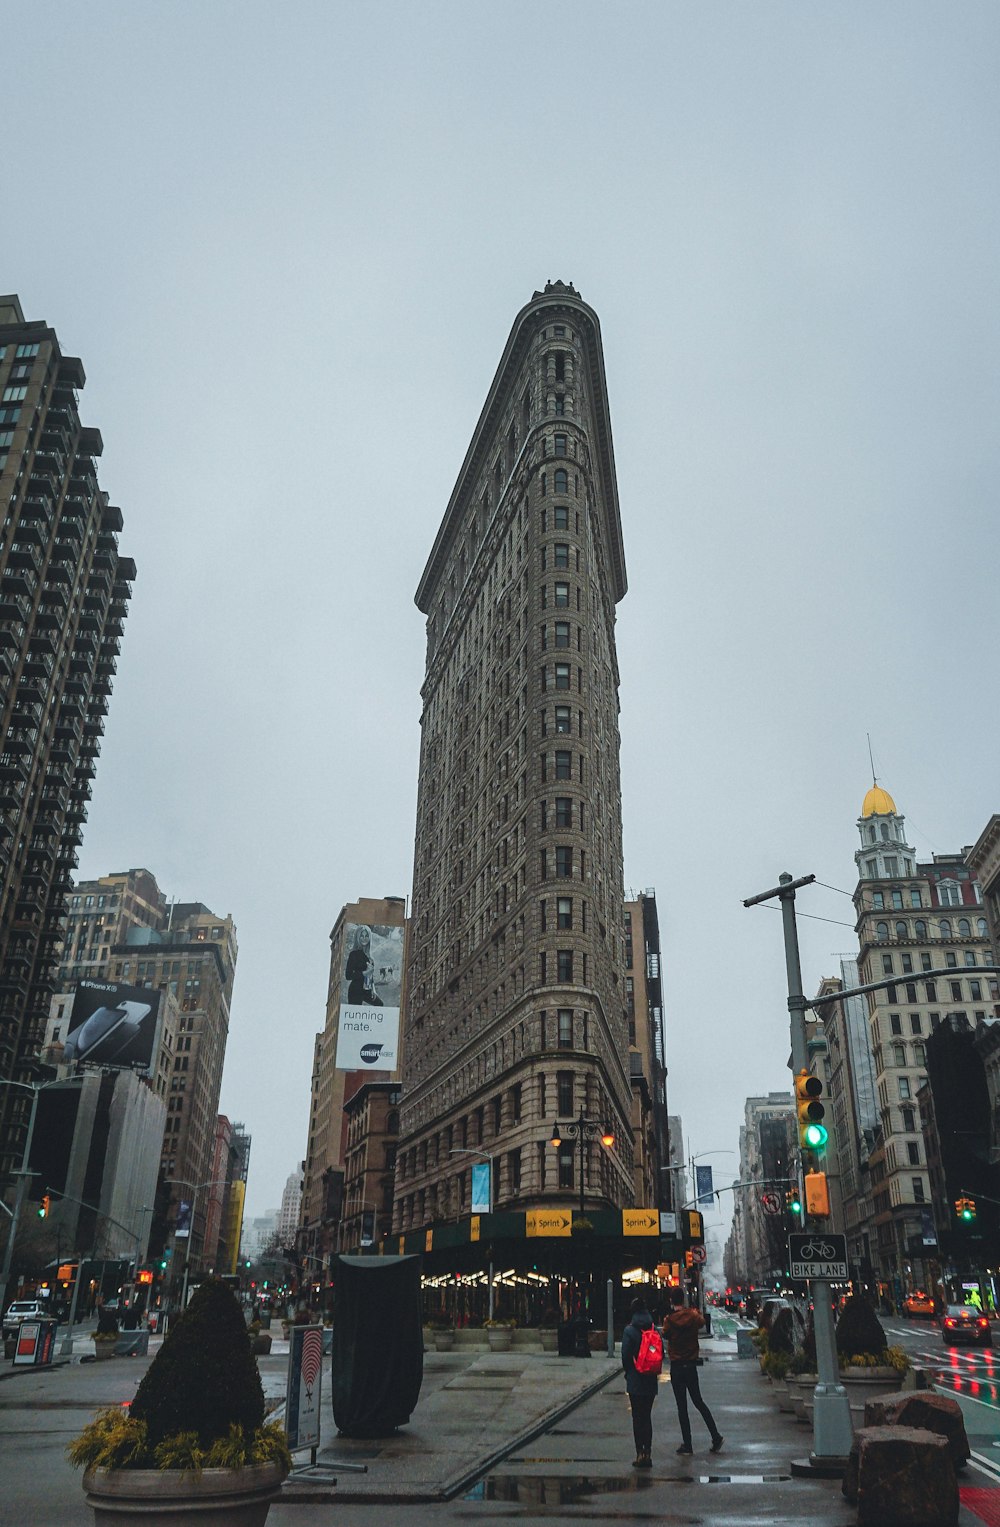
[17, 580]
[23, 553]
[38, 663]
[13, 606]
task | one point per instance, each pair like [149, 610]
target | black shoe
[716, 1444]
[637, 1462]
[644, 1461]
[685, 1447]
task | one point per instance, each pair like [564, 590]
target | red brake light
[949, 1322]
[982, 1321]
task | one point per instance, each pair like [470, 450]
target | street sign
[698, 1255]
[818, 1255]
[770, 1203]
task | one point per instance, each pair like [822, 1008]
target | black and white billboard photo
[113, 1025]
[370, 985]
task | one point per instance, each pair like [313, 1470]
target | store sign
[640, 1222]
[474, 1228]
[548, 1222]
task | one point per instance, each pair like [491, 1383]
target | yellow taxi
[918, 1303]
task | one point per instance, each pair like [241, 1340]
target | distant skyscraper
[64, 593]
[120, 927]
[517, 1013]
[354, 974]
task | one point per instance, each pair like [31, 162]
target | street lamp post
[832, 1429]
[583, 1129]
[462, 1150]
[22, 1180]
[66, 1345]
[196, 1187]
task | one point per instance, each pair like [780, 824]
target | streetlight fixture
[583, 1129]
[196, 1187]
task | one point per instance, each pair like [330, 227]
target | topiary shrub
[204, 1379]
[781, 1337]
[859, 1331]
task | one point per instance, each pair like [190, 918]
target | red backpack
[649, 1358]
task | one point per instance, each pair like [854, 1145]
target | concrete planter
[261, 1344]
[104, 1348]
[869, 1383]
[500, 1338]
[549, 1338]
[173, 1498]
[444, 1341]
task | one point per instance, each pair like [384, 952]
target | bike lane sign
[820, 1255]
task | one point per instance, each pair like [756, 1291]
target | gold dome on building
[878, 803]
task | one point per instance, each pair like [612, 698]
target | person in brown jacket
[680, 1332]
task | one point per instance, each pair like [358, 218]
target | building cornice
[556, 300]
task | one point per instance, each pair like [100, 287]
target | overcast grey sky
[289, 242]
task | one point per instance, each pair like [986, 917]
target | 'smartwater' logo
[370, 1053]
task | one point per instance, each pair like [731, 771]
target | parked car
[963, 1322]
[919, 1303]
[20, 1310]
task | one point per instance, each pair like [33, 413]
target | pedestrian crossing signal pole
[832, 1431]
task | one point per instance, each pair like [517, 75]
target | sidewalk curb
[306, 1493]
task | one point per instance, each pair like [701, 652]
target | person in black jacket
[642, 1387]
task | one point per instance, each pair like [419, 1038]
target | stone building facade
[516, 1014]
[924, 923]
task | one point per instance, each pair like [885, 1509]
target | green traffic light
[795, 1206]
[815, 1136]
[967, 1214]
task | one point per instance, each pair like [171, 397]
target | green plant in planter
[781, 1337]
[441, 1323]
[200, 1404]
[500, 1324]
[800, 1362]
[776, 1364]
[759, 1339]
[860, 1335]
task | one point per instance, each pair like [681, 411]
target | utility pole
[832, 1430]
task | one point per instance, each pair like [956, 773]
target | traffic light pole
[832, 1430]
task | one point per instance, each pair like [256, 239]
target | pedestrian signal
[696, 1226]
[817, 1195]
[812, 1131]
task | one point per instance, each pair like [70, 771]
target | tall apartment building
[64, 593]
[516, 1012]
[367, 927]
[189, 953]
[850, 1078]
[755, 1251]
[923, 923]
[654, 1184]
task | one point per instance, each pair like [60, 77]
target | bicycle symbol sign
[818, 1256]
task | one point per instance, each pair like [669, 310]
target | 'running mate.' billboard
[113, 1025]
[370, 982]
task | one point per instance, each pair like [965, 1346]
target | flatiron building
[517, 1008]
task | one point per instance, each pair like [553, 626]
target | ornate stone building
[922, 923]
[517, 1012]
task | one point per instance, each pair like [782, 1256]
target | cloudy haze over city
[289, 243]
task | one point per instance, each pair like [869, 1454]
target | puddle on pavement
[552, 1490]
[569, 1490]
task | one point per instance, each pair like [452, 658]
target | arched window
[920, 928]
[871, 834]
[901, 930]
[964, 928]
[884, 826]
[981, 927]
[561, 484]
[944, 928]
[882, 932]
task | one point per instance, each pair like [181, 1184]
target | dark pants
[684, 1382]
[642, 1421]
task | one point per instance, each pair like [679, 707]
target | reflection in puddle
[553, 1490]
[568, 1489]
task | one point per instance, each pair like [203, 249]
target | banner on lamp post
[703, 1185]
[481, 1187]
